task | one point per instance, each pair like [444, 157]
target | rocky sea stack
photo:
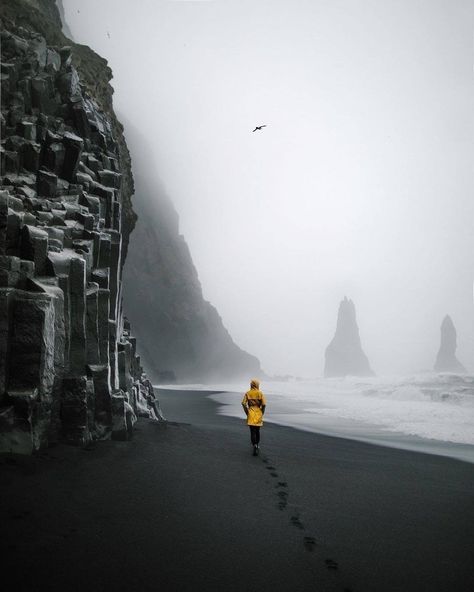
[344, 355]
[446, 360]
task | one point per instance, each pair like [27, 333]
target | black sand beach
[184, 506]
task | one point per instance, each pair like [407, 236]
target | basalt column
[68, 368]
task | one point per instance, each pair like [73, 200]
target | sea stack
[344, 355]
[446, 360]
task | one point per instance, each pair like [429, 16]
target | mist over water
[360, 185]
[421, 412]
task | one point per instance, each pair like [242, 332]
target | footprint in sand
[309, 543]
[281, 494]
[297, 522]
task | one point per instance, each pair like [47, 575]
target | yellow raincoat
[253, 401]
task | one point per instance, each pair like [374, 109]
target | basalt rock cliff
[344, 355]
[446, 360]
[69, 370]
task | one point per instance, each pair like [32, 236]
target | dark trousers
[255, 434]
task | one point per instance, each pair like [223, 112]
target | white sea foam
[438, 408]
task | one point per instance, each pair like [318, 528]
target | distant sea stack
[344, 355]
[446, 360]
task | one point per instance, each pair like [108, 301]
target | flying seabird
[259, 127]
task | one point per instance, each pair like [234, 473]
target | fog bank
[360, 185]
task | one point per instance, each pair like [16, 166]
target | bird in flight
[259, 127]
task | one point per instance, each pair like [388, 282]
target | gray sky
[361, 185]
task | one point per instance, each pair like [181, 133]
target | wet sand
[185, 506]
[294, 414]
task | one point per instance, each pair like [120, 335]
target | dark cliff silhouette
[177, 329]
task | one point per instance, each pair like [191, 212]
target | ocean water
[425, 412]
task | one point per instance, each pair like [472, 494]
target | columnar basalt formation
[446, 360]
[344, 355]
[69, 368]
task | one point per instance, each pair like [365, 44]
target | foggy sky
[361, 185]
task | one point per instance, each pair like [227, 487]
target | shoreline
[368, 433]
[184, 506]
[343, 428]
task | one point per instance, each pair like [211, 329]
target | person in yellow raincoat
[254, 404]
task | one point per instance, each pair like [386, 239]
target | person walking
[254, 404]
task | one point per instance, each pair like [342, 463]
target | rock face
[177, 329]
[446, 360]
[344, 355]
[69, 369]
